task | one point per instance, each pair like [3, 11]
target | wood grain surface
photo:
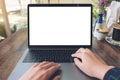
[12, 48]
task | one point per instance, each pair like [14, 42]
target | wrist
[103, 71]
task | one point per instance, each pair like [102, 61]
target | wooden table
[11, 50]
[13, 47]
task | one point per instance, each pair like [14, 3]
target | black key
[49, 55]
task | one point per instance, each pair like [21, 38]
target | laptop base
[68, 70]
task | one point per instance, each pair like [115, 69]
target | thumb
[57, 77]
[78, 63]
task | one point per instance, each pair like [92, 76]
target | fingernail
[72, 55]
[59, 65]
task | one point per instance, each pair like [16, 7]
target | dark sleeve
[112, 74]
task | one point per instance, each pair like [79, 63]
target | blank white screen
[60, 25]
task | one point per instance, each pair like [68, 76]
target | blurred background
[13, 13]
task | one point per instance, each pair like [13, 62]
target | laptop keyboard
[49, 55]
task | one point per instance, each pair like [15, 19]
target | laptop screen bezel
[59, 5]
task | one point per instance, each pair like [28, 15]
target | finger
[53, 69]
[41, 70]
[33, 67]
[57, 77]
[78, 63]
[48, 65]
[43, 63]
[36, 64]
[78, 55]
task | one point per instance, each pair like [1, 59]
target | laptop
[55, 31]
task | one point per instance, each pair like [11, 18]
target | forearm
[101, 71]
[112, 74]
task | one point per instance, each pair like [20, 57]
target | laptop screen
[60, 24]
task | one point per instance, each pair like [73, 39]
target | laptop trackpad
[71, 72]
[68, 71]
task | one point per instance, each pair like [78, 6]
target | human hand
[41, 71]
[90, 63]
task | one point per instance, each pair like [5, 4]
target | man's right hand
[90, 64]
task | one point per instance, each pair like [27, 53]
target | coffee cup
[101, 33]
[116, 32]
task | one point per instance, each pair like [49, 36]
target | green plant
[95, 14]
[97, 4]
[14, 29]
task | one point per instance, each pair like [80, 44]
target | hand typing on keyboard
[42, 71]
[90, 63]
[84, 59]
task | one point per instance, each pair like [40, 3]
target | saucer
[111, 41]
